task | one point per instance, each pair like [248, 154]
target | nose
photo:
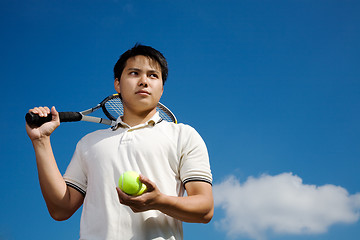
[143, 81]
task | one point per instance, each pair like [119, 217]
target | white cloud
[282, 204]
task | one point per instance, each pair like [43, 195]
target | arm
[197, 206]
[62, 201]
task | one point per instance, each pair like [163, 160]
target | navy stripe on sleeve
[197, 179]
[76, 187]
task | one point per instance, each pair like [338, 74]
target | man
[170, 157]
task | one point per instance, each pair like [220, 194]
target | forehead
[143, 62]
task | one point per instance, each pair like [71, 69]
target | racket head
[165, 113]
[113, 108]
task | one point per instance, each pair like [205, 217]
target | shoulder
[184, 134]
[180, 128]
[187, 130]
[177, 126]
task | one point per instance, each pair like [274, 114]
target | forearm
[196, 208]
[53, 186]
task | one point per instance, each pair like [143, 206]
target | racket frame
[164, 112]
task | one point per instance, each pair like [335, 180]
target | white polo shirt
[168, 154]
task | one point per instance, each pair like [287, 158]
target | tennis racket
[111, 106]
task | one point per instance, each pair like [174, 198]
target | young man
[170, 157]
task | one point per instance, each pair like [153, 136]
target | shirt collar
[151, 122]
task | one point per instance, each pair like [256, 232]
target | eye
[133, 73]
[154, 75]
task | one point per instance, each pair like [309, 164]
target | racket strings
[164, 115]
[115, 108]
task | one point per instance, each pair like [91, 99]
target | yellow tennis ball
[129, 183]
[142, 189]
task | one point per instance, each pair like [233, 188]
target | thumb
[55, 114]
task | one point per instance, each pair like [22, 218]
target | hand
[45, 130]
[149, 200]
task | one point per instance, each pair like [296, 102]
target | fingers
[41, 111]
[123, 197]
[136, 203]
[45, 111]
[127, 200]
[121, 194]
[149, 184]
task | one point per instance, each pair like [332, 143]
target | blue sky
[273, 87]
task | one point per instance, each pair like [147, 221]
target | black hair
[143, 50]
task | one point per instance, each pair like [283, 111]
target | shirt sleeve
[75, 175]
[194, 157]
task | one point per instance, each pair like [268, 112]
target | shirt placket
[127, 137]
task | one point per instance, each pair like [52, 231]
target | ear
[117, 85]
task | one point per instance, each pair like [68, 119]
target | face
[140, 85]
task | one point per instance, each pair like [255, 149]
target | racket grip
[35, 120]
[70, 116]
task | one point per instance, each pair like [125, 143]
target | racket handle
[35, 120]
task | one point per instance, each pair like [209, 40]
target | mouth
[142, 92]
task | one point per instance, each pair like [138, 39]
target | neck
[133, 119]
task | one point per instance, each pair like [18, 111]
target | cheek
[124, 85]
[159, 88]
[160, 92]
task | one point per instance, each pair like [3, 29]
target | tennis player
[172, 159]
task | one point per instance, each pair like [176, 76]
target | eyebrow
[134, 69]
[138, 69]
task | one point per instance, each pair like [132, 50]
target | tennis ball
[142, 189]
[129, 183]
